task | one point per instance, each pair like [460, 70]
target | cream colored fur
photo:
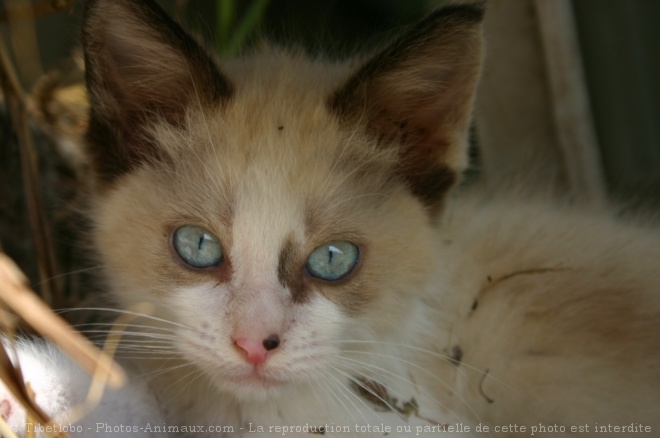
[482, 311]
[566, 326]
[270, 179]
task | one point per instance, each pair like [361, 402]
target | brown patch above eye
[289, 270]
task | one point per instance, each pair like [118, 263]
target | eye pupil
[197, 247]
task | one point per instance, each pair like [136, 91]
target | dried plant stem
[100, 377]
[15, 296]
[5, 430]
[39, 316]
[24, 43]
[17, 108]
[12, 377]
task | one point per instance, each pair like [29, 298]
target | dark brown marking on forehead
[289, 270]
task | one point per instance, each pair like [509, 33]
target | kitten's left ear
[141, 68]
[417, 95]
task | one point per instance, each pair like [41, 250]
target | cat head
[273, 207]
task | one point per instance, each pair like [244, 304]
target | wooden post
[533, 119]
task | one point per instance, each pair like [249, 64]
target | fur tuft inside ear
[141, 68]
[417, 95]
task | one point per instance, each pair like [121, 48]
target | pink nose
[256, 351]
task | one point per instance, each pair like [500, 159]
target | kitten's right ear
[141, 67]
[417, 94]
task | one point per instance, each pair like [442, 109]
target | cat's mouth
[253, 386]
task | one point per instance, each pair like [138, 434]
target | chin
[253, 389]
[249, 386]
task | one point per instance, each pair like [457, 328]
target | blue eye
[333, 261]
[197, 247]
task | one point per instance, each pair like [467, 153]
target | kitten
[290, 221]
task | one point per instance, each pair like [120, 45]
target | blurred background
[570, 99]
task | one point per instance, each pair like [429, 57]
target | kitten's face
[282, 209]
[270, 197]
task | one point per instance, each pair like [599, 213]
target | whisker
[140, 334]
[160, 371]
[138, 343]
[431, 353]
[328, 390]
[146, 350]
[126, 312]
[111, 325]
[385, 372]
[337, 400]
[356, 369]
[65, 274]
[436, 378]
[145, 358]
[346, 392]
[183, 377]
[131, 333]
[371, 391]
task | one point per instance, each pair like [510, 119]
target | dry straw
[16, 297]
[18, 303]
